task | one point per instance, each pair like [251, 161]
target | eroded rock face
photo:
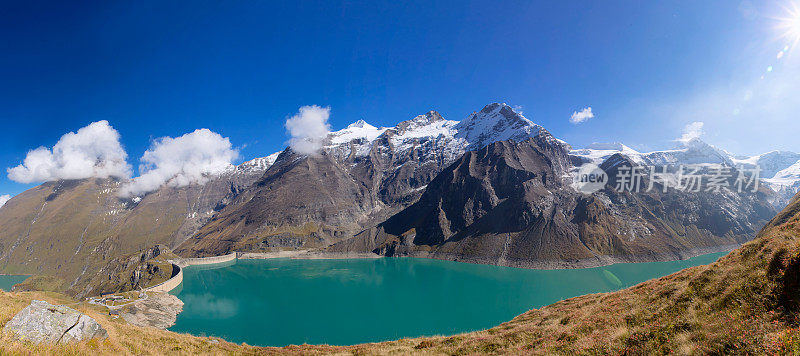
[42, 322]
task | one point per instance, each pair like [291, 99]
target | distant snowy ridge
[771, 163]
[788, 177]
[780, 170]
[694, 151]
[597, 153]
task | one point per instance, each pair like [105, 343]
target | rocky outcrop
[158, 310]
[129, 272]
[42, 322]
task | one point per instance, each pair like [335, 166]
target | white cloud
[93, 151]
[581, 116]
[176, 162]
[692, 131]
[308, 128]
[3, 199]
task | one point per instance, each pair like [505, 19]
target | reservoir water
[6, 282]
[277, 302]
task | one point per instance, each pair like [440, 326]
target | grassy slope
[63, 230]
[747, 302]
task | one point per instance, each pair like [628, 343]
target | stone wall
[176, 280]
[208, 260]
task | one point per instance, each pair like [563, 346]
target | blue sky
[156, 68]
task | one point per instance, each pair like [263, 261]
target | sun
[789, 25]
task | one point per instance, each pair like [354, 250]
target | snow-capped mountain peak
[360, 124]
[495, 122]
[423, 120]
[431, 131]
[357, 130]
[431, 124]
[260, 164]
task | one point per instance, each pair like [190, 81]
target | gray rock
[158, 310]
[42, 322]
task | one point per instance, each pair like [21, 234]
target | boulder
[42, 322]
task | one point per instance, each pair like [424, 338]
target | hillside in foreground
[746, 302]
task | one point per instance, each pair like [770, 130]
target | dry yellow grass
[125, 339]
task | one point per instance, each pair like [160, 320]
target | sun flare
[789, 25]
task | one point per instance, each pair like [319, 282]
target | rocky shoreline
[305, 255]
[599, 261]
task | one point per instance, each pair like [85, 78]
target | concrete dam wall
[177, 278]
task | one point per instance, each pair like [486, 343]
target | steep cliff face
[300, 201]
[511, 203]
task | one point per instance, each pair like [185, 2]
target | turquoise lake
[6, 282]
[277, 302]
